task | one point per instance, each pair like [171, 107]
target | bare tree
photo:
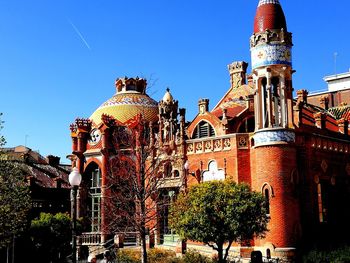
[131, 195]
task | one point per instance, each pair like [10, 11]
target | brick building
[46, 177]
[295, 151]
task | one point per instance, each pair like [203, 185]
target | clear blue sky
[59, 59]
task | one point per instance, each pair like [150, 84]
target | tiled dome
[269, 15]
[129, 101]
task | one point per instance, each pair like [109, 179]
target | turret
[274, 155]
[271, 49]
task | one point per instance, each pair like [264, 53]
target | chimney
[53, 160]
[238, 72]
[30, 180]
[343, 125]
[324, 101]
[302, 96]
[58, 182]
[320, 120]
[203, 105]
[224, 117]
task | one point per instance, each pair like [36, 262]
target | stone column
[283, 102]
[269, 98]
[256, 103]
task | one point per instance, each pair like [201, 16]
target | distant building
[47, 179]
[337, 95]
[296, 152]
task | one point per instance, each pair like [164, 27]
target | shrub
[195, 257]
[128, 256]
[156, 255]
[339, 255]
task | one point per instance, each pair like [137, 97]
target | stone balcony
[90, 238]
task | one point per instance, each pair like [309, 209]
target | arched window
[95, 192]
[248, 125]
[91, 195]
[176, 173]
[203, 129]
[267, 192]
[267, 200]
[168, 170]
[268, 253]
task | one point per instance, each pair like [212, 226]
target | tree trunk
[220, 253]
[143, 246]
[142, 207]
[227, 249]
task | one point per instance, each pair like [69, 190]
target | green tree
[2, 138]
[51, 236]
[14, 201]
[14, 198]
[219, 213]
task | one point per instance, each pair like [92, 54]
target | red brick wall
[274, 165]
[243, 166]
[199, 163]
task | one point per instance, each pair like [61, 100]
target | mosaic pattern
[264, 55]
[265, 137]
[125, 106]
[264, 2]
[340, 112]
[130, 99]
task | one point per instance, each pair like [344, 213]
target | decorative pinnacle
[264, 2]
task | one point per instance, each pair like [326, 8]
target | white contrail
[79, 34]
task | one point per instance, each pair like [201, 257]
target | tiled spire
[269, 15]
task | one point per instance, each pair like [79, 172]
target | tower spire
[269, 15]
[271, 49]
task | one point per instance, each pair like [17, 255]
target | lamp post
[74, 180]
[186, 167]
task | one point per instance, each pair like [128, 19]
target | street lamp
[74, 180]
[186, 167]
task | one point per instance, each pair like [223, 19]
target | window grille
[204, 129]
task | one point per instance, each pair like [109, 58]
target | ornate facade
[295, 153]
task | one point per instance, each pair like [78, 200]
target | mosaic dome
[269, 15]
[129, 101]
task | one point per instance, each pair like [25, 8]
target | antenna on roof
[25, 140]
[335, 62]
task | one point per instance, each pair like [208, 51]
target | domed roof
[168, 98]
[129, 101]
[269, 15]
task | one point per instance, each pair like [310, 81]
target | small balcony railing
[90, 238]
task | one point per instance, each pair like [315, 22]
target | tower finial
[264, 2]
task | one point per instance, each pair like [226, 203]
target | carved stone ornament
[242, 141]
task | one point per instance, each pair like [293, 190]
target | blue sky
[59, 59]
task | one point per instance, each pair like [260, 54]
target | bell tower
[271, 55]
[274, 158]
